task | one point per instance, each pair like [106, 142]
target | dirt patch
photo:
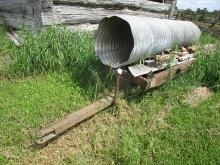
[197, 96]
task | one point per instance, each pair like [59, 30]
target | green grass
[58, 50]
[166, 130]
[31, 103]
[3, 160]
[182, 135]
[56, 72]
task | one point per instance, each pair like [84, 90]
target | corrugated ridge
[121, 40]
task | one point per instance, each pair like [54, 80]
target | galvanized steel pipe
[121, 40]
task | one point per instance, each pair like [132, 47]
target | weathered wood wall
[80, 13]
[90, 12]
[73, 15]
[145, 5]
[18, 13]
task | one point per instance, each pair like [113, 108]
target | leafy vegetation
[39, 98]
[208, 21]
[200, 14]
[56, 72]
[170, 132]
[206, 70]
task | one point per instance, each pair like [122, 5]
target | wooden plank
[72, 15]
[59, 127]
[83, 28]
[141, 69]
[145, 5]
[19, 13]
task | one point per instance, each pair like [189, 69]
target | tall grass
[206, 70]
[52, 49]
[5, 44]
[59, 50]
[56, 49]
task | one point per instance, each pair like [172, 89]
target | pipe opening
[114, 41]
[122, 40]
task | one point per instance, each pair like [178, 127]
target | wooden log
[72, 15]
[83, 28]
[50, 132]
[19, 13]
[120, 4]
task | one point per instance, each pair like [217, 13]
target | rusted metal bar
[47, 134]
[162, 77]
[118, 73]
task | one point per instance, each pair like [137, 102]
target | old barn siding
[73, 15]
[19, 13]
[88, 13]
[76, 13]
[145, 5]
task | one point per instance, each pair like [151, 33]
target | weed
[206, 70]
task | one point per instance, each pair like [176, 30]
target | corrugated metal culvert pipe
[121, 40]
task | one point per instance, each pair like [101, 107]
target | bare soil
[197, 96]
